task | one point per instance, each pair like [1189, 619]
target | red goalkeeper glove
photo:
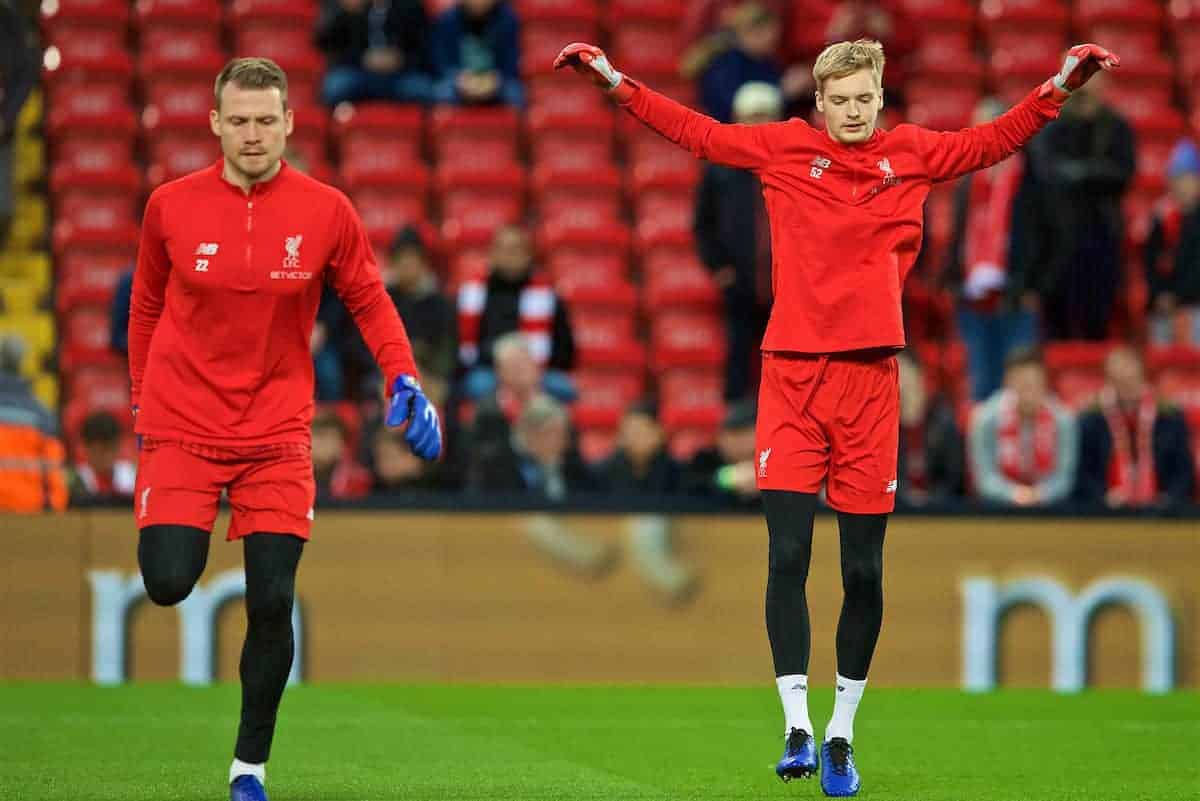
[590, 61]
[1082, 62]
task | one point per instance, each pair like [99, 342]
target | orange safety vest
[32, 478]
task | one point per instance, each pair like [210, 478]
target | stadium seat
[565, 261]
[385, 209]
[595, 289]
[272, 14]
[478, 198]
[1184, 15]
[663, 218]
[949, 61]
[581, 13]
[660, 165]
[178, 15]
[674, 279]
[605, 341]
[118, 241]
[93, 63]
[554, 101]
[95, 14]
[160, 39]
[1148, 107]
[665, 13]
[647, 51]
[91, 113]
[180, 61]
[564, 235]
[99, 385]
[686, 339]
[98, 40]
[1128, 13]
[79, 194]
[85, 334]
[88, 279]
[691, 399]
[604, 395]
[541, 43]
[1076, 370]
[1027, 57]
[175, 155]
[177, 106]
[479, 125]
[1023, 15]
[941, 15]
[279, 44]
[1176, 371]
[361, 126]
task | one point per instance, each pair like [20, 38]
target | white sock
[240, 768]
[845, 704]
[793, 692]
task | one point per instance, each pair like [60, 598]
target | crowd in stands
[1083, 251]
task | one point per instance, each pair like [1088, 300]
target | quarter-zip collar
[257, 190]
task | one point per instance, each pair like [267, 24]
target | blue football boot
[799, 756]
[839, 777]
[247, 788]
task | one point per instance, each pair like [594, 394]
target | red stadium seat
[272, 42]
[648, 51]
[612, 266]
[667, 13]
[476, 217]
[1131, 13]
[476, 136]
[92, 62]
[1176, 372]
[660, 165]
[595, 289]
[276, 14]
[1184, 15]
[557, 97]
[566, 236]
[172, 107]
[363, 126]
[111, 191]
[1149, 108]
[950, 62]
[158, 39]
[385, 211]
[178, 14]
[686, 339]
[453, 180]
[541, 44]
[604, 341]
[663, 218]
[175, 156]
[674, 279]
[581, 13]
[87, 282]
[1076, 370]
[941, 15]
[99, 40]
[99, 386]
[691, 399]
[1028, 56]
[588, 194]
[96, 14]
[604, 395]
[562, 156]
[1023, 15]
[85, 334]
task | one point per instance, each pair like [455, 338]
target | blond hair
[252, 73]
[846, 58]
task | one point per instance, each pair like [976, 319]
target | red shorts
[271, 488]
[832, 419]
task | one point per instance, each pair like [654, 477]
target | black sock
[271, 562]
[790, 518]
[862, 582]
[171, 559]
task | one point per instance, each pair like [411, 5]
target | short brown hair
[846, 58]
[252, 73]
[1024, 356]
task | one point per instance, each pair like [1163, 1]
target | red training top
[845, 219]
[224, 299]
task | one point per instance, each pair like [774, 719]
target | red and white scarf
[535, 311]
[1021, 460]
[1131, 464]
[989, 218]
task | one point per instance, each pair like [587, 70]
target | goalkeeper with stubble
[845, 211]
[229, 274]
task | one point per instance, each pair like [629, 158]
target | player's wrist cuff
[623, 91]
[1051, 89]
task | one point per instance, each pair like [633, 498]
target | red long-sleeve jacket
[845, 220]
[224, 298]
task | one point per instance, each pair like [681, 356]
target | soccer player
[845, 211]
[228, 279]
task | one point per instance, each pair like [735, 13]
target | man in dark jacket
[1085, 160]
[376, 51]
[476, 54]
[641, 464]
[756, 32]
[1173, 252]
[729, 471]
[1134, 449]
[428, 315]
[514, 297]
[932, 460]
[733, 239]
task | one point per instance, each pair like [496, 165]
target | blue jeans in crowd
[349, 84]
[481, 381]
[989, 337]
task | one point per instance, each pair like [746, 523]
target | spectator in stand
[515, 297]
[932, 452]
[19, 62]
[733, 238]
[31, 455]
[118, 333]
[539, 460]
[754, 57]
[1085, 161]
[476, 54]
[519, 379]
[1023, 443]
[102, 473]
[728, 470]
[1173, 253]
[375, 50]
[1134, 449]
[394, 468]
[428, 315]
[996, 216]
[330, 337]
[339, 476]
[707, 31]
[641, 464]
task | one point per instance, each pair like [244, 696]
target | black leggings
[790, 517]
[173, 557]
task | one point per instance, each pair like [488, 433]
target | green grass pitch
[523, 743]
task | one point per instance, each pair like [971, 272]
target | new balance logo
[819, 166]
[841, 689]
[800, 687]
[207, 249]
[891, 486]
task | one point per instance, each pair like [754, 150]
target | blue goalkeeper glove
[409, 404]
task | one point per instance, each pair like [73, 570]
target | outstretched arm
[949, 155]
[746, 146]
